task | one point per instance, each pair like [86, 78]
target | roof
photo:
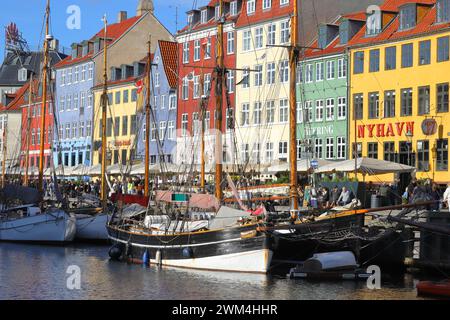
[19, 100]
[117, 82]
[114, 31]
[277, 11]
[31, 61]
[169, 56]
[391, 31]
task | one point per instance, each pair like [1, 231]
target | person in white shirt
[446, 197]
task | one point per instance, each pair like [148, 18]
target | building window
[342, 108]
[172, 102]
[256, 153]
[319, 71]
[309, 73]
[125, 96]
[259, 38]
[196, 87]
[318, 148]
[208, 49]
[423, 155]
[358, 62]
[251, 5]
[185, 89]
[271, 73]
[342, 68]
[269, 152]
[124, 125]
[299, 75]
[285, 32]
[196, 50]
[406, 155]
[407, 55]
[442, 97]
[282, 150]
[258, 75]
[266, 4]
[443, 49]
[373, 23]
[389, 151]
[245, 115]
[91, 71]
[372, 150]
[245, 152]
[374, 105]
[357, 150]
[271, 34]
[171, 130]
[257, 113]
[270, 112]
[408, 17]
[186, 52]
[319, 110]
[284, 71]
[184, 124]
[374, 60]
[443, 11]
[207, 84]
[233, 8]
[245, 82]
[341, 148]
[118, 97]
[204, 16]
[330, 109]
[62, 103]
[406, 102]
[358, 106]
[284, 113]
[330, 148]
[424, 52]
[390, 62]
[246, 40]
[331, 70]
[442, 155]
[283, 2]
[75, 101]
[424, 100]
[230, 42]
[389, 104]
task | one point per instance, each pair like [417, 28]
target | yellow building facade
[399, 103]
[122, 123]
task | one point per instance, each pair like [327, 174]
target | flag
[141, 85]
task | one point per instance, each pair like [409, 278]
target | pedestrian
[345, 197]
[446, 197]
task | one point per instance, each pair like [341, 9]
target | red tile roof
[169, 56]
[117, 82]
[264, 15]
[113, 32]
[391, 32]
[19, 100]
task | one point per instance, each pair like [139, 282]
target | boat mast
[5, 134]
[203, 113]
[104, 100]
[219, 99]
[147, 122]
[27, 154]
[293, 53]
[44, 99]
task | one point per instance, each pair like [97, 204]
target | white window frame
[284, 111]
[331, 70]
[319, 110]
[330, 107]
[342, 108]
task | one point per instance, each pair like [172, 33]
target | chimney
[123, 15]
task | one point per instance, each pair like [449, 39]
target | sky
[29, 17]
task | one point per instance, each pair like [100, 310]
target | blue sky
[28, 15]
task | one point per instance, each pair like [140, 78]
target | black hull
[229, 249]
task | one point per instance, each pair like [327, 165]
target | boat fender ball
[146, 258]
[188, 253]
[115, 252]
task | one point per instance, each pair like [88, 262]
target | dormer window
[266, 4]
[443, 11]
[190, 18]
[251, 6]
[373, 23]
[233, 8]
[204, 16]
[217, 12]
[408, 16]
[22, 75]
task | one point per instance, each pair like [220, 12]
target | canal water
[40, 272]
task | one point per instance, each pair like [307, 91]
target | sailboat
[24, 217]
[224, 239]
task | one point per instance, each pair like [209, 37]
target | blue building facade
[164, 106]
[74, 108]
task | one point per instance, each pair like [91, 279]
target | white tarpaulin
[366, 166]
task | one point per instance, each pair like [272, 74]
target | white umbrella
[366, 166]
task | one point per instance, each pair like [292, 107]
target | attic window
[408, 17]
[443, 11]
[233, 8]
[373, 23]
[22, 75]
[204, 16]
[217, 12]
[190, 19]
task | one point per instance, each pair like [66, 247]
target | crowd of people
[323, 198]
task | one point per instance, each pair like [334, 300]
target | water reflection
[39, 272]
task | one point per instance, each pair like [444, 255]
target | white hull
[56, 226]
[92, 227]
[257, 261]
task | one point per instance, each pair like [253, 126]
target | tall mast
[219, 99]
[44, 99]
[104, 193]
[5, 135]
[203, 113]
[147, 121]
[293, 52]
[28, 133]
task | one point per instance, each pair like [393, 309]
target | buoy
[188, 253]
[115, 252]
[158, 258]
[146, 258]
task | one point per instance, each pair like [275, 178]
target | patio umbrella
[366, 166]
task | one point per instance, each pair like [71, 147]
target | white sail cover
[366, 166]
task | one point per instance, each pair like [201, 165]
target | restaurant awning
[367, 166]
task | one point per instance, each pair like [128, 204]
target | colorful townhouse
[122, 125]
[197, 58]
[83, 69]
[262, 97]
[399, 89]
[163, 116]
[322, 88]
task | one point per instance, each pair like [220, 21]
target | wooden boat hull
[92, 228]
[237, 249]
[431, 288]
[54, 227]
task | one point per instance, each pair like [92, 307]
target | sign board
[315, 164]
[429, 127]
